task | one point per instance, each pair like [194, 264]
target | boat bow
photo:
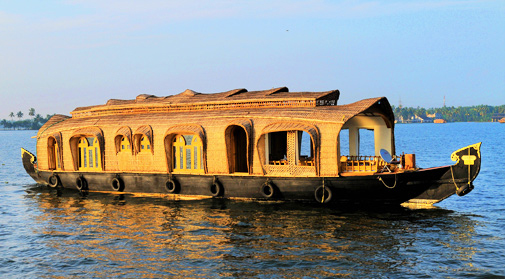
[466, 169]
[449, 180]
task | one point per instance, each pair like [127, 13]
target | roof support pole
[353, 141]
[382, 138]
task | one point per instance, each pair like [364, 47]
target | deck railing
[361, 163]
[301, 162]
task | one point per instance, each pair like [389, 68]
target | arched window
[125, 145]
[187, 154]
[123, 140]
[124, 150]
[89, 154]
[143, 140]
[145, 145]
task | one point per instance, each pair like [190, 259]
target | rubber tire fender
[81, 183]
[172, 186]
[117, 184]
[268, 190]
[54, 180]
[465, 189]
[216, 189]
[318, 194]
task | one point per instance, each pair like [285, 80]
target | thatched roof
[275, 105]
[190, 101]
[55, 119]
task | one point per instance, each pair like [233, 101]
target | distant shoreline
[7, 129]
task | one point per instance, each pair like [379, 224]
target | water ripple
[46, 234]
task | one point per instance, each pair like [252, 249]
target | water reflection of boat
[268, 145]
[137, 237]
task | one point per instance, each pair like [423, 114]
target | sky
[59, 55]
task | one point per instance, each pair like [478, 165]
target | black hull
[426, 185]
[355, 190]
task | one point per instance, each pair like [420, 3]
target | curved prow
[467, 167]
[29, 161]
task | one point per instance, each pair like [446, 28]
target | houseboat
[240, 144]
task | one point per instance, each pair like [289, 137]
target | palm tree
[13, 125]
[31, 112]
[20, 115]
[38, 118]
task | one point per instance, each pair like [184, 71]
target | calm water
[50, 235]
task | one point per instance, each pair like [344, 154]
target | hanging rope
[454, 181]
[387, 186]
[324, 190]
[469, 171]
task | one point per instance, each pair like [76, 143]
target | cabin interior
[360, 141]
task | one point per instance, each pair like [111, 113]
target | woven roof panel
[145, 130]
[57, 118]
[192, 97]
[322, 114]
[125, 131]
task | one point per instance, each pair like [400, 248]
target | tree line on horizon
[480, 113]
[34, 123]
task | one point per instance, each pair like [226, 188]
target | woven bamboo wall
[217, 161]
[326, 120]
[329, 140]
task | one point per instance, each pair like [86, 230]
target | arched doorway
[53, 153]
[237, 149]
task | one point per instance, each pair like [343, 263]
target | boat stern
[30, 164]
